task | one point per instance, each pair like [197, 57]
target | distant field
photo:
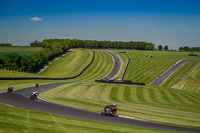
[19, 50]
[69, 65]
[14, 49]
[152, 103]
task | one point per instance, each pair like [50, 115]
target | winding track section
[159, 80]
[116, 67]
[20, 98]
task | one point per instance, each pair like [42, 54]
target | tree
[166, 48]
[36, 43]
[5, 45]
[186, 48]
[180, 48]
[160, 47]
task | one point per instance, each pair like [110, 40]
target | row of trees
[95, 44]
[5, 45]
[192, 49]
[34, 61]
[165, 48]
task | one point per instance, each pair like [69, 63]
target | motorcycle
[34, 95]
[37, 84]
[10, 89]
[110, 110]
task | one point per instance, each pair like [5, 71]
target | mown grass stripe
[127, 93]
[140, 96]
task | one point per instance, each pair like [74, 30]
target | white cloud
[133, 19]
[35, 19]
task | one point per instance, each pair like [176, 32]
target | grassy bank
[151, 103]
[69, 65]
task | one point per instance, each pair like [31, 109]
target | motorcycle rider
[35, 94]
[37, 84]
[10, 88]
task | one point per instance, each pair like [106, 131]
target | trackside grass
[191, 82]
[16, 120]
[69, 65]
[155, 104]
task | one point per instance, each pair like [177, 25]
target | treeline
[5, 45]
[139, 45]
[192, 49]
[33, 62]
[54, 47]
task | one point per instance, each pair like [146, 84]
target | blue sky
[168, 22]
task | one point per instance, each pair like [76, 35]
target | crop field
[19, 50]
[155, 104]
[16, 120]
[69, 65]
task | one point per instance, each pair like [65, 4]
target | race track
[159, 80]
[20, 98]
[116, 67]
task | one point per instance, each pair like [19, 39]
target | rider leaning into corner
[37, 84]
[34, 93]
[10, 89]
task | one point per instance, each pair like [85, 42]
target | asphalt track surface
[21, 98]
[159, 80]
[117, 65]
